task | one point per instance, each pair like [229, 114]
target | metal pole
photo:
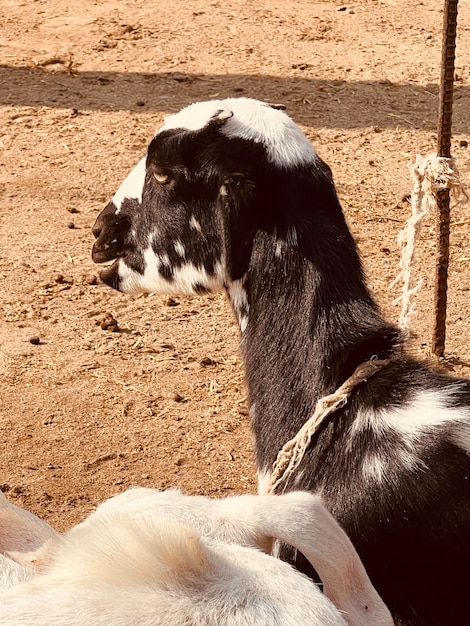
[444, 137]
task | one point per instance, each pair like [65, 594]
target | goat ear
[238, 196]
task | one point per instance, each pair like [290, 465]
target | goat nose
[109, 212]
[111, 232]
[96, 229]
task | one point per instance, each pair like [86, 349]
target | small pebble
[91, 279]
[171, 302]
[72, 209]
[176, 397]
[207, 361]
[463, 143]
[35, 341]
[70, 225]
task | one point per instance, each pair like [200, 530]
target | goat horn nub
[223, 115]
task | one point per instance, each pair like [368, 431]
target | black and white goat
[232, 195]
[165, 559]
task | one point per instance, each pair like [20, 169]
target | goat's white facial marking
[194, 224]
[179, 249]
[132, 187]
[285, 143]
[161, 278]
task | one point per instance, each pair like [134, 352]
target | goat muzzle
[111, 231]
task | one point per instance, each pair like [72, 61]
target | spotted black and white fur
[232, 196]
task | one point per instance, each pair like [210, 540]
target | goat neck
[306, 315]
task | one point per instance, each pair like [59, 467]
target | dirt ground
[86, 412]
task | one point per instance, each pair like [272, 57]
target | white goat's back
[121, 571]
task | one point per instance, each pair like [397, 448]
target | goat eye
[161, 179]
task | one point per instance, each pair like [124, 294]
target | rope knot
[431, 174]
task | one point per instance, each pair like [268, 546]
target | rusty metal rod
[444, 136]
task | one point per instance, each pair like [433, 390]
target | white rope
[430, 174]
[290, 456]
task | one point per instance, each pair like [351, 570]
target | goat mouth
[111, 238]
[104, 252]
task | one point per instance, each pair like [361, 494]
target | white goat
[164, 559]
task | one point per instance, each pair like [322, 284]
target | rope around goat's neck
[290, 456]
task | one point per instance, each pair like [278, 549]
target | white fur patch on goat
[194, 224]
[426, 411]
[186, 279]
[292, 238]
[164, 259]
[179, 248]
[285, 143]
[374, 467]
[239, 299]
[132, 186]
[279, 244]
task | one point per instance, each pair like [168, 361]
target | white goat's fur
[164, 559]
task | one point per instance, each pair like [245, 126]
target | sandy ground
[86, 412]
